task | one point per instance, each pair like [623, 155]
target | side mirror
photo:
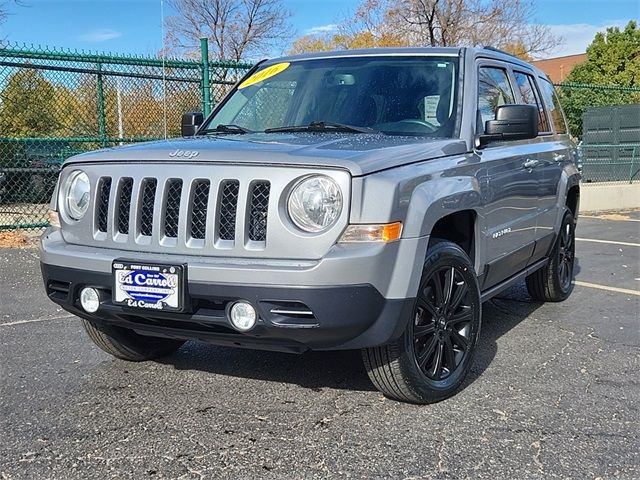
[191, 121]
[513, 122]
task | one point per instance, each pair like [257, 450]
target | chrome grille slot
[102, 212]
[290, 314]
[172, 207]
[258, 211]
[146, 207]
[124, 205]
[199, 201]
[228, 209]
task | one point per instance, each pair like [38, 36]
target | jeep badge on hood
[184, 153]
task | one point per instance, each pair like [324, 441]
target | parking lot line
[617, 219]
[607, 288]
[35, 320]
[612, 242]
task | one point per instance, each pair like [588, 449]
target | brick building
[559, 67]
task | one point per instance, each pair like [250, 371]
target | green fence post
[101, 115]
[206, 87]
[633, 161]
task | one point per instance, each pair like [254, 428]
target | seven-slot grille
[159, 206]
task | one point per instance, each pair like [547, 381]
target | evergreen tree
[613, 58]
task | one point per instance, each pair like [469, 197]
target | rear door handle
[559, 158]
[530, 163]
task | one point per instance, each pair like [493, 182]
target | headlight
[77, 194]
[315, 203]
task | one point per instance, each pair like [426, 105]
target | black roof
[448, 51]
[485, 52]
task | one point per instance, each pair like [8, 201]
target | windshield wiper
[228, 129]
[322, 127]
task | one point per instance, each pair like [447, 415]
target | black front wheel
[431, 359]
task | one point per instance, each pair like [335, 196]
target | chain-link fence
[609, 163]
[55, 104]
[605, 120]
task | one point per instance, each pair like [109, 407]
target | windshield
[395, 95]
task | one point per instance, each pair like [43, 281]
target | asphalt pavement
[554, 393]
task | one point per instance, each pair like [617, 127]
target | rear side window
[553, 105]
[494, 90]
[529, 93]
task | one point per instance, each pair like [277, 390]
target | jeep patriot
[367, 199]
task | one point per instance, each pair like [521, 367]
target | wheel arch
[568, 196]
[460, 228]
[453, 216]
[431, 201]
[572, 200]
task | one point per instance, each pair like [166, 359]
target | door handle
[530, 163]
[559, 158]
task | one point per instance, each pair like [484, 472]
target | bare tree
[3, 12]
[4, 8]
[236, 29]
[370, 26]
[506, 24]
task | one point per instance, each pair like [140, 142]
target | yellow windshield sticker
[264, 74]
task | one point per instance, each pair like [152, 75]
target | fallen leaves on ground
[14, 239]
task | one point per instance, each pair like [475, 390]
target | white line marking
[612, 242]
[20, 322]
[609, 289]
[611, 219]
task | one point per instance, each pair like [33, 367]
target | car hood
[360, 154]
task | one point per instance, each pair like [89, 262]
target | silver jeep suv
[365, 199]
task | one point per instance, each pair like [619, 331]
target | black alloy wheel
[430, 361]
[554, 281]
[442, 323]
[566, 255]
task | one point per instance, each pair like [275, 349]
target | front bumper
[344, 317]
[359, 296]
[394, 269]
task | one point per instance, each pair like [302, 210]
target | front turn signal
[387, 232]
[54, 218]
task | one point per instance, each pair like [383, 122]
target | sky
[134, 26]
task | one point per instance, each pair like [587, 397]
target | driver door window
[494, 90]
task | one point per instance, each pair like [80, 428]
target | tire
[128, 345]
[408, 369]
[554, 282]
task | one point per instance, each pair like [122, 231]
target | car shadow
[499, 316]
[576, 267]
[311, 370]
[344, 369]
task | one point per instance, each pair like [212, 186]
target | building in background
[559, 67]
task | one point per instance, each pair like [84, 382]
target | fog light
[90, 299]
[243, 316]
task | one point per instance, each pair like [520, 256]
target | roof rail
[494, 49]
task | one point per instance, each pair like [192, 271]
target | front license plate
[148, 286]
